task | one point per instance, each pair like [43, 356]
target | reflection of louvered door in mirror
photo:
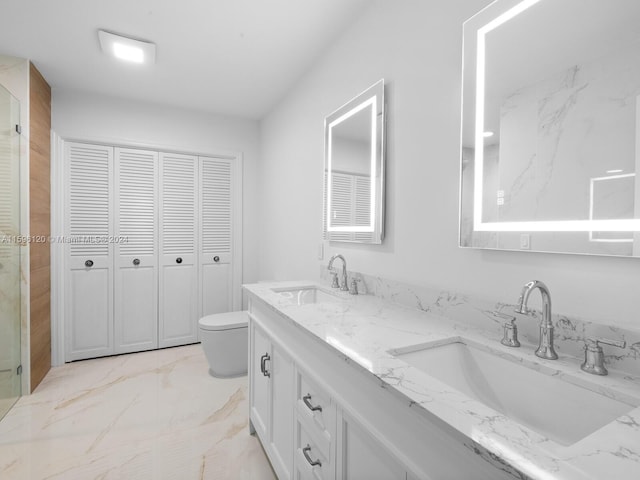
[350, 205]
[178, 302]
[215, 235]
[340, 206]
[136, 255]
[89, 254]
[362, 206]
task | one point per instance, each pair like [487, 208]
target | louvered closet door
[216, 211]
[89, 251]
[136, 259]
[178, 303]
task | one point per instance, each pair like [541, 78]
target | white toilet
[225, 338]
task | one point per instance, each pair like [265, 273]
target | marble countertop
[365, 329]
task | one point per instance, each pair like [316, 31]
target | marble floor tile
[150, 415]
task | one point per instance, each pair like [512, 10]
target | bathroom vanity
[352, 386]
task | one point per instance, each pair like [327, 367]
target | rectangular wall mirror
[551, 127]
[354, 169]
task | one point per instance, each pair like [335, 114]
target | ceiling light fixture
[127, 49]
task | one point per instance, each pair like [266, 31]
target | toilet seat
[224, 321]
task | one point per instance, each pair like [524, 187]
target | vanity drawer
[311, 462]
[316, 410]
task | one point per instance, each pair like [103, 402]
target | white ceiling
[235, 57]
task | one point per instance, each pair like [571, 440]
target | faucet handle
[593, 343]
[334, 280]
[353, 289]
[510, 334]
[594, 355]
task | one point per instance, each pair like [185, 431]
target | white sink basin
[561, 411]
[306, 295]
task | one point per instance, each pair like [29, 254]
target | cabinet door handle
[88, 263]
[307, 401]
[179, 260]
[136, 261]
[305, 452]
[263, 365]
[216, 259]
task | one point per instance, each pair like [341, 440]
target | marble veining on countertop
[365, 329]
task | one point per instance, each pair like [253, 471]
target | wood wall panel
[40, 225]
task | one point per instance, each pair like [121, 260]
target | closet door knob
[136, 261]
[88, 263]
[216, 259]
[179, 260]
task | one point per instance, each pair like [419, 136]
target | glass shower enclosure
[10, 369]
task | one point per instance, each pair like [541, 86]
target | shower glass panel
[10, 384]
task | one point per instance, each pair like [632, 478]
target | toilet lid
[224, 321]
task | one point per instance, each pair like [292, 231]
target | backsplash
[569, 332]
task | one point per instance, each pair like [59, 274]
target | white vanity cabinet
[321, 416]
[271, 387]
[361, 456]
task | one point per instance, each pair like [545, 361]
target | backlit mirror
[551, 127]
[354, 169]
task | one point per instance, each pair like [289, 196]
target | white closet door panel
[178, 306]
[136, 286]
[92, 328]
[216, 287]
[136, 325]
[215, 230]
[89, 250]
[178, 324]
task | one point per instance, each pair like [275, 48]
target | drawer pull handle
[88, 263]
[307, 401]
[263, 364]
[136, 261]
[305, 452]
[216, 259]
[179, 260]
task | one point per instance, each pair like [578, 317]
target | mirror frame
[481, 233]
[373, 233]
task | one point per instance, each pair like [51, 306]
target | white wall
[84, 116]
[416, 46]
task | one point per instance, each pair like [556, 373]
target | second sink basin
[561, 411]
[305, 295]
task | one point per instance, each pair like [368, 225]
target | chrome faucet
[545, 347]
[345, 283]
